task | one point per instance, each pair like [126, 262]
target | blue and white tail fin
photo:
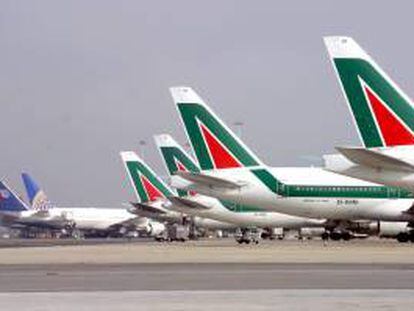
[37, 197]
[9, 201]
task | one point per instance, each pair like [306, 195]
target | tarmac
[52, 252]
[201, 275]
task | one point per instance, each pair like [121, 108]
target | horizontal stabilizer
[208, 181]
[337, 162]
[188, 203]
[147, 208]
[374, 159]
[137, 222]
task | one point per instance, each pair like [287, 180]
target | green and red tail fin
[214, 144]
[175, 158]
[147, 185]
[383, 113]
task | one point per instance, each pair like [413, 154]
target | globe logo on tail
[4, 194]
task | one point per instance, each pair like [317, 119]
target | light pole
[239, 128]
[142, 144]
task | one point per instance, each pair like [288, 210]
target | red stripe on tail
[221, 157]
[393, 131]
[152, 192]
[182, 168]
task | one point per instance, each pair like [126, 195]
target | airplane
[153, 196]
[15, 213]
[91, 221]
[176, 159]
[231, 171]
[383, 115]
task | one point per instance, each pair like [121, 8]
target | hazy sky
[82, 80]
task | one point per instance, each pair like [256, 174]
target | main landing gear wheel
[403, 237]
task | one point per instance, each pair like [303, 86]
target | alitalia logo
[214, 144]
[152, 192]
[220, 156]
[383, 113]
[147, 186]
[392, 130]
[179, 166]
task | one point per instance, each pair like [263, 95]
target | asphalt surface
[292, 300]
[209, 252]
[205, 275]
[15, 243]
[193, 277]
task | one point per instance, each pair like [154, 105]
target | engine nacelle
[311, 232]
[392, 229]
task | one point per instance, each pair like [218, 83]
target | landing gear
[337, 235]
[346, 236]
[70, 230]
[403, 237]
[272, 234]
[247, 241]
[76, 234]
[247, 236]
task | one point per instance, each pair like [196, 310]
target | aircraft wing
[208, 181]
[188, 203]
[146, 208]
[138, 222]
[375, 159]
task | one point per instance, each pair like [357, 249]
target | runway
[202, 277]
[209, 251]
[206, 275]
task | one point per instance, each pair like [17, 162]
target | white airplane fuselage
[85, 218]
[33, 218]
[91, 218]
[244, 216]
[170, 214]
[317, 194]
